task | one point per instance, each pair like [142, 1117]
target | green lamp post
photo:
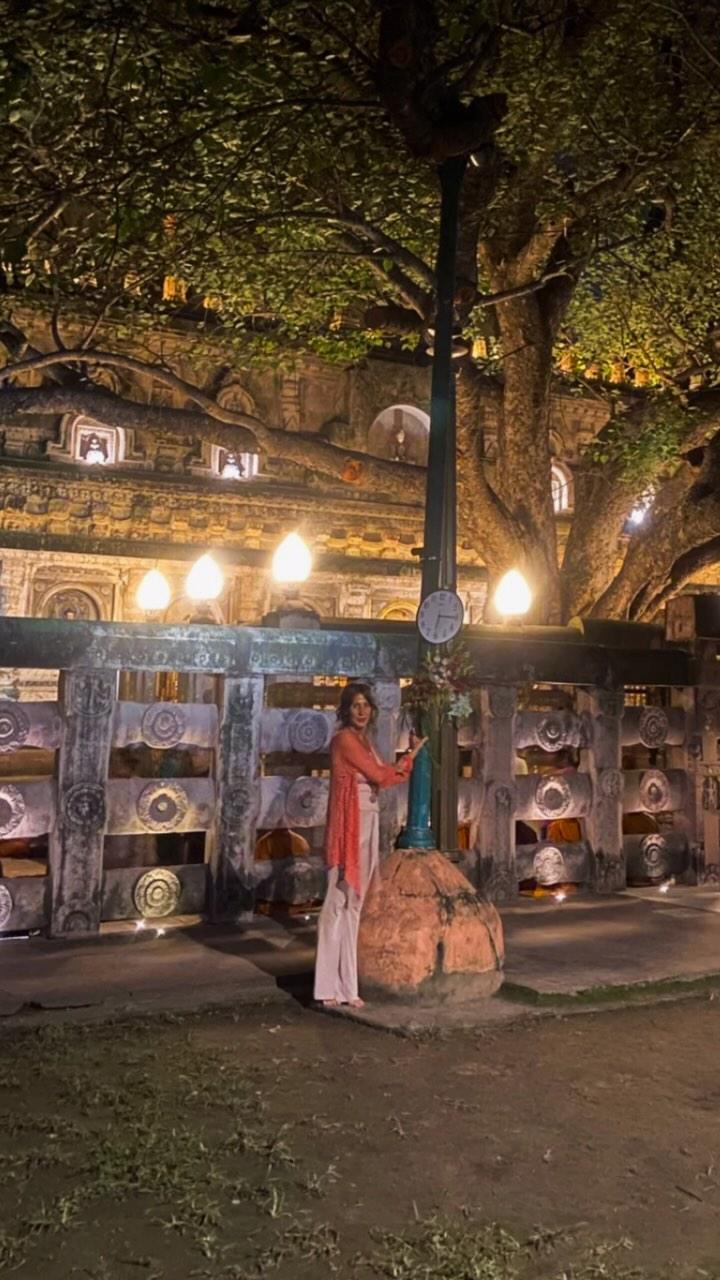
[433, 791]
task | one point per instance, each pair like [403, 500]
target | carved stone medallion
[308, 731]
[77, 922]
[84, 806]
[91, 696]
[306, 802]
[163, 725]
[549, 865]
[236, 803]
[502, 700]
[655, 857]
[653, 727]
[6, 905]
[162, 806]
[654, 791]
[12, 808]
[157, 892]
[557, 729]
[611, 783]
[503, 796]
[14, 726]
[553, 796]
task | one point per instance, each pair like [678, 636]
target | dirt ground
[294, 1144]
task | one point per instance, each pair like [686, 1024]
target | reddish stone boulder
[425, 933]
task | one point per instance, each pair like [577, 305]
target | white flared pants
[336, 964]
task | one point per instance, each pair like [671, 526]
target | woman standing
[351, 841]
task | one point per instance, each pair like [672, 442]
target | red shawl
[351, 755]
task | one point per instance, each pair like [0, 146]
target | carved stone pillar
[86, 705]
[703, 768]
[497, 873]
[237, 798]
[604, 822]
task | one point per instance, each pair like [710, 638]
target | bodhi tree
[266, 175]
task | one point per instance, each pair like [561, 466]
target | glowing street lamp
[292, 561]
[154, 593]
[205, 580]
[513, 596]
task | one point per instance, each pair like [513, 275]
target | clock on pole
[440, 617]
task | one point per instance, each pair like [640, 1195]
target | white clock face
[440, 617]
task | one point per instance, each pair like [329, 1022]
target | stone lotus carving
[654, 854]
[553, 796]
[14, 726]
[558, 729]
[654, 791]
[84, 806]
[6, 905]
[308, 731]
[12, 808]
[157, 892]
[306, 802]
[653, 727]
[163, 725]
[549, 865]
[162, 805]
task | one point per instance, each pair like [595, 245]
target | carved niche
[71, 604]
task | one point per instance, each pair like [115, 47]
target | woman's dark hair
[346, 700]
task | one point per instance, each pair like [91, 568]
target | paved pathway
[552, 951]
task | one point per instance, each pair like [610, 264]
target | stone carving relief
[558, 729]
[12, 808]
[654, 791]
[84, 806]
[502, 701]
[611, 703]
[163, 725]
[157, 893]
[654, 726]
[711, 794]
[91, 696]
[14, 726]
[611, 783]
[76, 921]
[553, 796]
[308, 731]
[6, 905]
[549, 865]
[236, 804]
[72, 605]
[162, 806]
[306, 802]
[654, 854]
[709, 705]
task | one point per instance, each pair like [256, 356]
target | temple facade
[87, 506]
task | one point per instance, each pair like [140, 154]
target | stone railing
[263, 747]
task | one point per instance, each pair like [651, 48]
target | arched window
[90, 443]
[398, 611]
[561, 488]
[400, 433]
[234, 466]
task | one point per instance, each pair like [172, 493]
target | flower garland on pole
[441, 688]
